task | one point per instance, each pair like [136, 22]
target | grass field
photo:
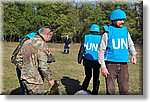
[67, 71]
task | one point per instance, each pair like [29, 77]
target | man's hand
[69, 45]
[104, 72]
[133, 59]
[55, 89]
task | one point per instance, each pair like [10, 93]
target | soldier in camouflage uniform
[32, 61]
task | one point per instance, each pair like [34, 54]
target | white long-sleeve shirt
[103, 46]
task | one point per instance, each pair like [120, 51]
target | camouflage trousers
[34, 89]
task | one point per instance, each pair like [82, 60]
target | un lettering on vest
[91, 46]
[122, 43]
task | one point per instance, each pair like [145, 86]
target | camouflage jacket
[32, 60]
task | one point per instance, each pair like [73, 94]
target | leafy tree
[67, 18]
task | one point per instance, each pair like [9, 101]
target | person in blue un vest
[89, 53]
[115, 44]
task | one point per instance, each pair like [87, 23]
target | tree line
[67, 18]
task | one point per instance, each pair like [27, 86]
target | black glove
[50, 58]
[79, 60]
[80, 54]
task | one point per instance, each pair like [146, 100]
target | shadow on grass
[71, 85]
[16, 91]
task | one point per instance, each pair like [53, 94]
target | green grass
[67, 71]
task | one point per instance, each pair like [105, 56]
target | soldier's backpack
[22, 40]
[16, 51]
[50, 58]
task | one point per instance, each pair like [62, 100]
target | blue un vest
[91, 45]
[117, 48]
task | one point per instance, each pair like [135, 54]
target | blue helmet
[95, 27]
[117, 14]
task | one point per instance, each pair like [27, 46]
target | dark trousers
[90, 65]
[20, 81]
[119, 72]
[66, 48]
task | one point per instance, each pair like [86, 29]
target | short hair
[44, 29]
[48, 27]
